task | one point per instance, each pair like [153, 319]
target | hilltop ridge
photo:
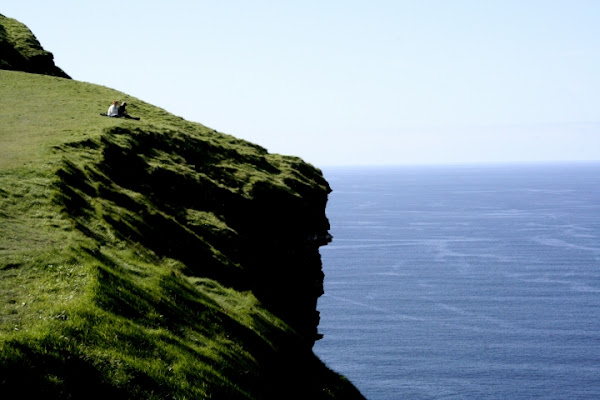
[21, 51]
[150, 259]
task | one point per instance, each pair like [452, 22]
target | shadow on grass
[52, 373]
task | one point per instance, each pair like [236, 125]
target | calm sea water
[473, 282]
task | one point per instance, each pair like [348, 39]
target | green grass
[20, 38]
[151, 259]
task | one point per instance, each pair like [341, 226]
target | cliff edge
[150, 259]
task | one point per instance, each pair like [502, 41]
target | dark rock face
[285, 261]
[21, 51]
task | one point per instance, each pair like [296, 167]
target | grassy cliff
[150, 259]
[21, 51]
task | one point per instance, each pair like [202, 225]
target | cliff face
[152, 259]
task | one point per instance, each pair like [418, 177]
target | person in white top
[113, 110]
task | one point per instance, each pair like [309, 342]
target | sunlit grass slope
[146, 259]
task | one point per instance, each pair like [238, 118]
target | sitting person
[123, 113]
[113, 110]
[118, 111]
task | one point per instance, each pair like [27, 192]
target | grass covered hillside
[152, 259]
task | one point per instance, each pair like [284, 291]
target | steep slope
[152, 259]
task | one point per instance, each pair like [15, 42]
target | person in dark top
[123, 112]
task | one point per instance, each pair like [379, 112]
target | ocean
[464, 282]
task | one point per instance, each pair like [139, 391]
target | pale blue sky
[350, 82]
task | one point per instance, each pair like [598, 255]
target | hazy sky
[350, 82]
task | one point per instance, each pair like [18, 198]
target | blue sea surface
[464, 282]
